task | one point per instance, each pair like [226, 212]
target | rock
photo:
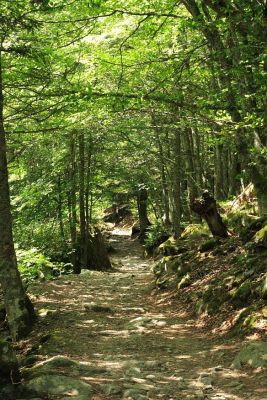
[59, 385]
[138, 322]
[168, 248]
[58, 363]
[111, 389]
[208, 245]
[97, 308]
[184, 282]
[206, 379]
[134, 394]
[195, 232]
[260, 237]
[199, 394]
[252, 354]
[212, 299]
[150, 377]
[133, 371]
[9, 370]
[247, 233]
[218, 368]
[242, 293]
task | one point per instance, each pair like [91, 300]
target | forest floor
[132, 340]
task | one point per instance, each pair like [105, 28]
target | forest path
[134, 344]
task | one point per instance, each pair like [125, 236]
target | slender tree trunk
[59, 209]
[144, 222]
[19, 309]
[72, 202]
[176, 184]
[164, 183]
[83, 228]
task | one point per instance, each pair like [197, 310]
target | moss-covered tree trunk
[19, 309]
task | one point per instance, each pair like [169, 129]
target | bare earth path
[136, 344]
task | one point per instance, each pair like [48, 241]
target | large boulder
[9, 371]
[253, 354]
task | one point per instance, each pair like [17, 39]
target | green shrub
[34, 265]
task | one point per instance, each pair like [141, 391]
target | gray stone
[59, 385]
[133, 371]
[151, 377]
[111, 389]
[138, 322]
[134, 394]
[97, 308]
[218, 368]
[56, 364]
[206, 379]
[252, 354]
[200, 394]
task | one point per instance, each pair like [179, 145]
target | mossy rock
[242, 293]
[253, 354]
[57, 385]
[56, 365]
[212, 299]
[185, 281]
[208, 245]
[260, 238]
[165, 265]
[168, 248]
[195, 231]
[247, 233]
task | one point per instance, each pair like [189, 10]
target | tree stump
[207, 209]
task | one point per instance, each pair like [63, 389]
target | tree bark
[144, 222]
[19, 309]
[83, 228]
[72, 200]
[176, 184]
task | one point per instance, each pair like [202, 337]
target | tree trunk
[83, 228]
[142, 213]
[59, 210]
[207, 208]
[72, 200]
[19, 309]
[164, 183]
[176, 184]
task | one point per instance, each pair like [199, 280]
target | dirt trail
[137, 344]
